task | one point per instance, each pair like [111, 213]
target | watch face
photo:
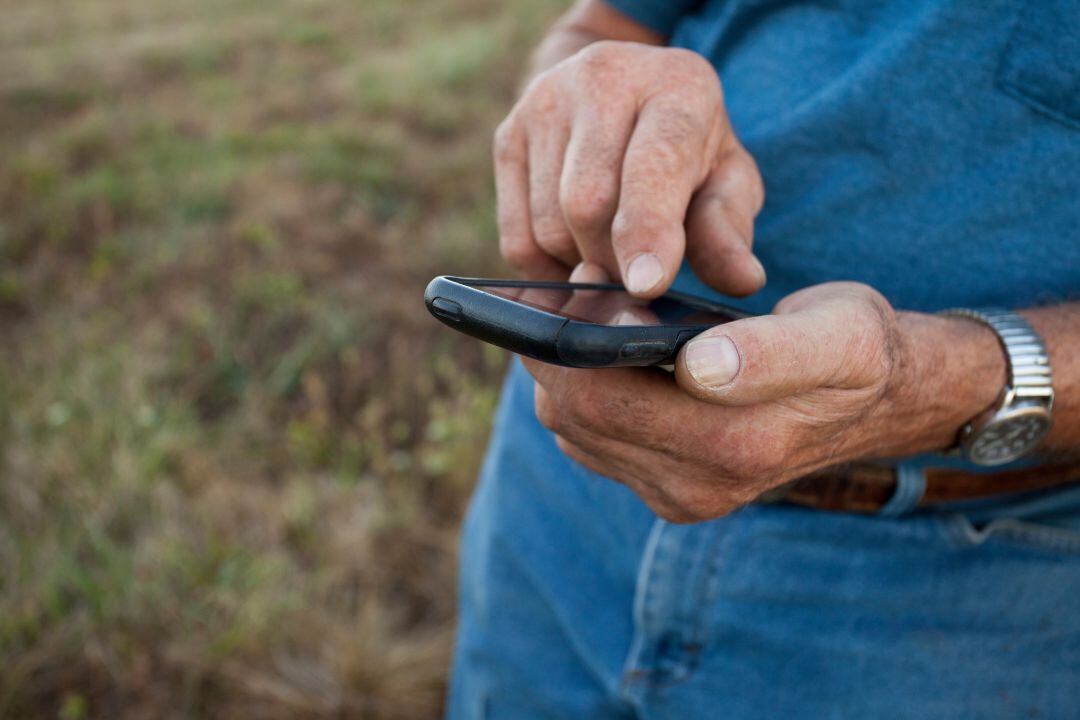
[1010, 437]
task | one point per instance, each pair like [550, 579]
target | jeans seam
[632, 674]
[962, 533]
[711, 583]
[1032, 534]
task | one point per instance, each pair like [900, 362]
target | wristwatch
[1021, 418]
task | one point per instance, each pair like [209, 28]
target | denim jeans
[577, 602]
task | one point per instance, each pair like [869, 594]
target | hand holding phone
[585, 325]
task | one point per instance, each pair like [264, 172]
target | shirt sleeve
[658, 15]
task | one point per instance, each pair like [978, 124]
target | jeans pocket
[1012, 531]
[1041, 62]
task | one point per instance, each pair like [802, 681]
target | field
[234, 449]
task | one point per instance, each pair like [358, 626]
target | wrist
[946, 371]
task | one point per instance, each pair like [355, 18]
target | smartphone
[580, 325]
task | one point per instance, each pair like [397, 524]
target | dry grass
[234, 450]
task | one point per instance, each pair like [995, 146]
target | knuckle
[584, 408]
[598, 75]
[862, 292]
[547, 413]
[747, 179]
[689, 60]
[543, 96]
[886, 315]
[599, 58]
[875, 336]
[693, 502]
[757, 185]
[519, 251]
[874, 320]
[867, 309]
[584, 412]
[588, 204]
[506, 147]
[627, 416]
[696, 74]
[552, 236]
[674, 140]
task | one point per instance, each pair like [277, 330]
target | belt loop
[910, 486]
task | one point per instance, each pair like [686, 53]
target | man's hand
[832, 376]
[622, 155]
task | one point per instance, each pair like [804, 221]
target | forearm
[560, 43]
[1060, 327]
[587, 22]
[951, 370]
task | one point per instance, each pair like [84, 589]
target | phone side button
[644, 350]
[446, 309]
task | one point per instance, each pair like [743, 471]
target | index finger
[661, 170]
[609, 308]
[635, 405]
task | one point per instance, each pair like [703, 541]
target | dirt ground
[234, 449]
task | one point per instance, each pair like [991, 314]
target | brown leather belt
[867, 488]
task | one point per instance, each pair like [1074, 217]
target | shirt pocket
[1041, 62]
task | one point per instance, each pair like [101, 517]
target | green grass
[234, 450]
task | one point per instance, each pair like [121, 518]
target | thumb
[829, 336]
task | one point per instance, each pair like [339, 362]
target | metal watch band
[1022, 415]
[1028, 375]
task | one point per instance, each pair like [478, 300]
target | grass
[234, 450]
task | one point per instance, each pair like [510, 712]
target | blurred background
[234, 448]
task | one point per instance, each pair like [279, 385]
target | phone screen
[608, 307]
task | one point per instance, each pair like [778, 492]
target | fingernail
[587, 272]
[714, 361]
[580, 273]
[629, 317]
[760, 269]
[644, 273]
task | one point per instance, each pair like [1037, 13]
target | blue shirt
[929, 148]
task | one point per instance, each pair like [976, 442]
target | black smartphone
[581, 325]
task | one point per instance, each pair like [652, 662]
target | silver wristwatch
[1021, 418]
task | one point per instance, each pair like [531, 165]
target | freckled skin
[620, 147]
